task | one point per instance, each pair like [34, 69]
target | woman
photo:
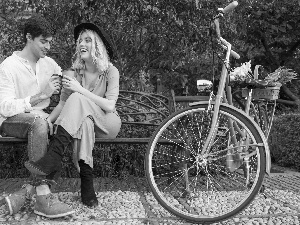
[86, 109]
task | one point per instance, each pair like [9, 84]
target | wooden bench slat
[13, 139]
[123, 140]
[99, 140]
[191, 98]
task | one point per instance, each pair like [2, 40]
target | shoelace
[52, 199]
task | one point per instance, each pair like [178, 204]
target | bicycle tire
[173, 164]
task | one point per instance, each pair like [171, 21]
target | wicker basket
[270, 93]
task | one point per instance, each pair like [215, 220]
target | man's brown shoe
[17, 199]
[49, 206]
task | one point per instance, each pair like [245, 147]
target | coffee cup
[69, 72]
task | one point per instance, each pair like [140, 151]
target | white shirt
[18, 83]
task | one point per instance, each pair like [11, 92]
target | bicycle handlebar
[227, 9]
[230, 7]
[234, 54]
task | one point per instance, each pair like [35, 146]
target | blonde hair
[99, 53]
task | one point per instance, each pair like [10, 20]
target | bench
[134, 108]
[140, 113]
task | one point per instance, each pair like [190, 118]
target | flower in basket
[241, 73]
[280, 76]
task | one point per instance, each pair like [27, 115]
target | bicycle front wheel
[205, 186]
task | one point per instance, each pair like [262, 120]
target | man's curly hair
[37, 25]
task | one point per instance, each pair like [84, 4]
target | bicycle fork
[239, 145]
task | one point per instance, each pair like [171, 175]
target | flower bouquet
[280, 76]
[239, 74]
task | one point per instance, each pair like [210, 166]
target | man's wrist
[28, 107]
[38, 98]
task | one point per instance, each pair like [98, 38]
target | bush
[284, 141]
[12, 159]
[110, 160]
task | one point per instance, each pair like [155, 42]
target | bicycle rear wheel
[263, 112]
[205, 187]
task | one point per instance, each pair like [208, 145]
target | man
[28, 79]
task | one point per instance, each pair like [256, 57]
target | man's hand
[54, 84]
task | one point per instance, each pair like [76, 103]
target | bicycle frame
[221, 99]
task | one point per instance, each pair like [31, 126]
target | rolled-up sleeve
[9, 104]
[112, 91]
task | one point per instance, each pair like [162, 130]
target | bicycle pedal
[262, 190]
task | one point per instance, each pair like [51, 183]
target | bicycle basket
[269, 93]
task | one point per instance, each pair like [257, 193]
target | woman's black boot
[51, 162]
[88, 195]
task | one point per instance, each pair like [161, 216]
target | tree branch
[288, 92]
[269, 54]
[288, 54]
[287, 102]
[295, 99]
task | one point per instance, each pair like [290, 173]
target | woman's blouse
[106, 85]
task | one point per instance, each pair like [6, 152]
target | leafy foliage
[167, 40]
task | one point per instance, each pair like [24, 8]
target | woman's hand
[71, 84]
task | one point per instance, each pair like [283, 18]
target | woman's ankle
[87, 181]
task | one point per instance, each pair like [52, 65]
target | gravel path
[136, 205]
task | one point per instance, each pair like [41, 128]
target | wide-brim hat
[108, 42]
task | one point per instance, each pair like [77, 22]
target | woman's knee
[113, 126]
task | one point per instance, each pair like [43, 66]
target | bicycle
[206, 163]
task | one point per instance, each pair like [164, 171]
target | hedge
[284, 140]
